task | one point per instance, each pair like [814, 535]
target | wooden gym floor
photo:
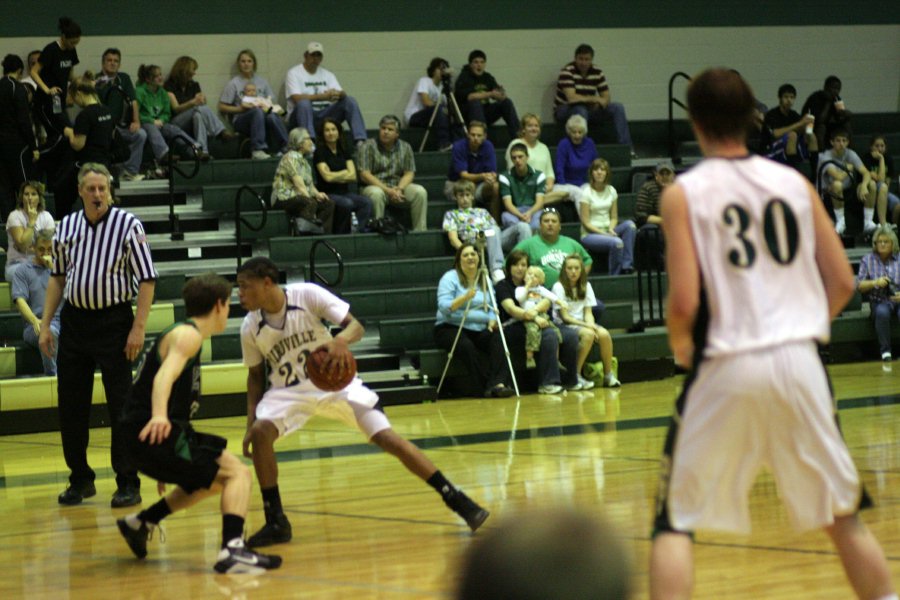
[365, 528]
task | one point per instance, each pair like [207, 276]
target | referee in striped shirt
[101, 260]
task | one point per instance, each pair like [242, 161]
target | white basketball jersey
[285, 350]
[752, 225]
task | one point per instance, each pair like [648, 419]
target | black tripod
[447, 97]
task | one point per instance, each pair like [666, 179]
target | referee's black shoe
[465, 507]
[276, 531]
[76, 493]
[125, 496]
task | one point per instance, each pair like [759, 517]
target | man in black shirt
[481, 98]
[17, 143]
[162, 443]
[116, 91]
[789, 135]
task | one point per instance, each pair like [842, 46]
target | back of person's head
[12, 63]
[547, 554]
[721, 104]
[786, 88]
[202, 293]
[84, 84]
[296, 137]
[831, 80]
[68, 28]
[477, 54]
[259, 267]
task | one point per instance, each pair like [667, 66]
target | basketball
[324, 380]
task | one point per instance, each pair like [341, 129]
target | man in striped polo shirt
[101, 261]
[581, 89]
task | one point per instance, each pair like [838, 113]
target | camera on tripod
[447, 79]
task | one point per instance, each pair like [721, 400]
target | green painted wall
[278, 16]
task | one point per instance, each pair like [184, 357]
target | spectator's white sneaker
[869, 228]
[259, 155]
[840, 226]
[498, 275]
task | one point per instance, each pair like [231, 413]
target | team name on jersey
[102, 118]
[287, 344]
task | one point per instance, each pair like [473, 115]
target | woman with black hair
[51, 73]
[18, 150]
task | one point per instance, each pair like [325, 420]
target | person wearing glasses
[879, 279]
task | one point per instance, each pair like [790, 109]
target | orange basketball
[322, 379]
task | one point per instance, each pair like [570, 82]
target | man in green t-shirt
[549, 249]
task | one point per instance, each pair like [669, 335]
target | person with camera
[879, 281]
[116, 91]
[426, 97]
[481, 98]
[387, 168]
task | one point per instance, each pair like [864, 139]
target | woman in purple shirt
[574, 156]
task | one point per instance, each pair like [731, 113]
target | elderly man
[550, 249]
[473, 159]
[314, 93]
[481, 98]
[116, 91]
[581, 89]
[29, 288]
[99, 254]
[387, 168]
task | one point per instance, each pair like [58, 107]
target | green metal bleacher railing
[673, 143]
[172, 167]
[314, 274]
[239, 220]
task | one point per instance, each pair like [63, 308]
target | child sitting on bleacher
[528, 296]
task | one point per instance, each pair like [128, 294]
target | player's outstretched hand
[156, 430]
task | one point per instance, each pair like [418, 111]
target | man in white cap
[313, 93]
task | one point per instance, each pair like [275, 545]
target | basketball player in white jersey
[756, 273]
[281, 329]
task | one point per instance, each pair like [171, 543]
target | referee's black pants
[89, 339]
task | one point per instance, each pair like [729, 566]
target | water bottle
[57, 104]
[354, 223]
[809, 126]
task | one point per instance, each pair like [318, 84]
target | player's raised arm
[684, 274]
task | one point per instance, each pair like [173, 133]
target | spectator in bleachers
[829, 112]
[538, 154]
[601, 230]
[335, 172]
[52, 73]
[581, 89]
[314, 93]
[464, 224]
[842, 167]
[90, 139]
[248, 120]
[31, 216]
[473, 159]
[481, 98]
[459, 291]
[574, 287]
[29, 288]
[549, 249]
[522, 190]
[646, 209]
[788, 135]
[387, 168]
[574, 156]
[552, 353]
[155, 111]
[293, 189]
[881, 169]
[425, 96]
[191, 112]
[547, 554]
[116, 91]
[879, 280]
[18, 148]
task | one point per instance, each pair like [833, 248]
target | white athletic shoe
[550, 389]
[869, 227]
[260, 155]
[586, 384]
[840, 226]
[237, 558]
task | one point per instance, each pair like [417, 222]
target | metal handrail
[238, 219]
[314, 274]
[673, 144]
[171, 168]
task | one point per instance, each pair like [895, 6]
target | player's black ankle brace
[232, 527]
[155, 513]
[271, 502]
[440, 483]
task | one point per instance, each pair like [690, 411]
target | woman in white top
[423, 99]
[538, 155]
[573, 286]
[30, 216]
[601, 230]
